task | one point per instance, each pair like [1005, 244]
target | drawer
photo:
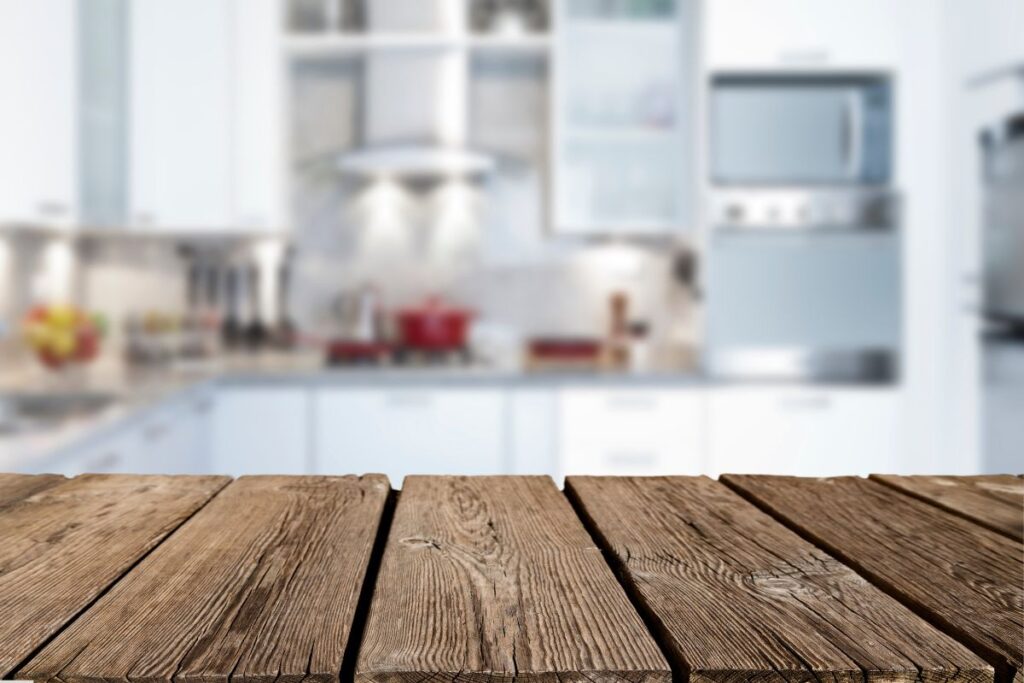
[631, 431]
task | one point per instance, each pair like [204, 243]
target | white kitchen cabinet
[804, 431]
[38, 85]
[180, 114]
[622, 118]
[631, 431]
[119, 452]
[533, 432]
[175, 438]
[756, 34]
[260, 430]
[207, 133]
[258, 165]
[986, 37]
[410, 430]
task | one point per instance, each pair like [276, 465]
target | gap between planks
[1004, 672]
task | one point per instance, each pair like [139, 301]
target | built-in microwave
[801, 129]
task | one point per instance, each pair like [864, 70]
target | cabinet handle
[625, 402]
[105, 461]
[813, 55]
[203, 406]
[409, 400]
[52, 209]
[807, 403]
[155, 432]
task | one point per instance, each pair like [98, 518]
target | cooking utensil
[434, 326]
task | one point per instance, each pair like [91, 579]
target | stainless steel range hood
[414, 103]
[415, 162]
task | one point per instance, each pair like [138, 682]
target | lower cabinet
[631, 431]
[409, 430]
[803, 431]
[260, 430]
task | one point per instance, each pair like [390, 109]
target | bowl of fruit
[63, 335]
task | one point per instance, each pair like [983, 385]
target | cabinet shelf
[328, 45]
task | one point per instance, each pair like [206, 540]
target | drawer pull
[807, 403]
[639, 403]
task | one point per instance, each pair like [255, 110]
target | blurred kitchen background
[512, 236]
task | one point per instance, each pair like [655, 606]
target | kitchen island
[163, 578]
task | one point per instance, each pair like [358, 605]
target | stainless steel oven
[804, 255]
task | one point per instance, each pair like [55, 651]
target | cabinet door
[116, 453]
[621, 118]
[744, 34]
[985, 36]
[631, 431]
[804, 432]
[410, 431]
[257, 430]
[180, 114]
[38, 115]
[257, 121]
[533, 432]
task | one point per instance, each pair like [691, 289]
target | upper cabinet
[622, 117]
[180, 114]
[205, 133]
[38, 116]
[802, 34]
[986, 37]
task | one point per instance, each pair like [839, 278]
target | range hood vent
[423, 162]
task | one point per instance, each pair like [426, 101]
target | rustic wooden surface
[736, 596]
[261, 585]
[994, 501]
[495, 578]
[965, 578]
[14, 487]
[64, 545]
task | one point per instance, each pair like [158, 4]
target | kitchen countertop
[140, 390]
[493, 579]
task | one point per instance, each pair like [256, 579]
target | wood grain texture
[993, 501]
[262, 585]
[14, 487]
[63, 546]
[494, 578]
[964, 578]
[735, 596]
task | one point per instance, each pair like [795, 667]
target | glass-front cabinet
[622, 115]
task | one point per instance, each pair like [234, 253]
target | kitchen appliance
[1003, 229]
[805, 251]
[801, 130]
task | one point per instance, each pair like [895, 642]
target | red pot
[434, 327]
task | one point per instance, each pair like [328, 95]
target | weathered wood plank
[735, 596]
[494, 578]
[66, 544]
[14, 487]
[993, 501]
[964, 578]
[262, 585]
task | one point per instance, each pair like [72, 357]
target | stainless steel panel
[801, 208]
[804, 365]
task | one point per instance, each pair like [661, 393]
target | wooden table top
[108, 578]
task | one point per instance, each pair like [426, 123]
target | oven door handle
[853, 123]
